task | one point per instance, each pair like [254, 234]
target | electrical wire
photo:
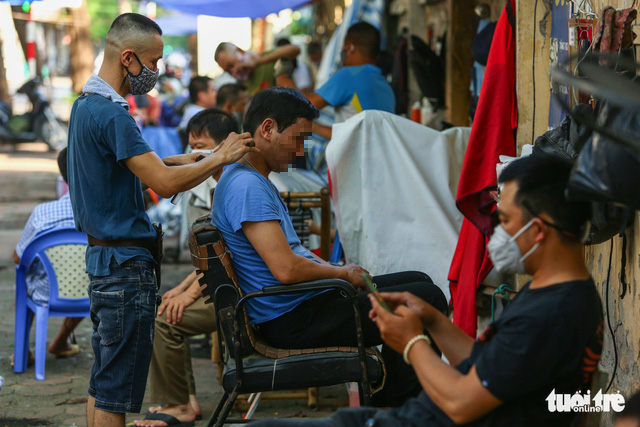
[582, 11]
[613, 337]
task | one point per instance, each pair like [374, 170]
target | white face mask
[505, 253]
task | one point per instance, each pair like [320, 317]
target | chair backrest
[210, 255]
[299, 204]
[61, 252]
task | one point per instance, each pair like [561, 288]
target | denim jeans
[123, 307]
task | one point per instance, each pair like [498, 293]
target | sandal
[75, 349]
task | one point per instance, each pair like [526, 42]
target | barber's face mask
[505, 253]
[143, 82]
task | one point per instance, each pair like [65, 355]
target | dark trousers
[328, 320]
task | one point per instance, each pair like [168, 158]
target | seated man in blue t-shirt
[359, 85]
[256, 226]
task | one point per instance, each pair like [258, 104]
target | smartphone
[375, 292]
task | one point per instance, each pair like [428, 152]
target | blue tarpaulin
[231, 8]
[178, 25]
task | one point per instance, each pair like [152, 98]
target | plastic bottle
[415, 112]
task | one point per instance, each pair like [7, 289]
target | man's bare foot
[192, 400]
[194, 404]
[63, 349]
[183, 413]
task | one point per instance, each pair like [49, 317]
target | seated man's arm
[461, 397]
[169, 180]
[30, 231]
[175, 306]
[183, 286]
[322, 130]
[288, 267]
[319, 102]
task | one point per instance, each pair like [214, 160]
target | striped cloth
[45, 216]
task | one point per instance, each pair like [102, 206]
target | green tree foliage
[102, 13]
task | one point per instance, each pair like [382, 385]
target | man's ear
[228, 107]
[268, 129]
[543, 230]
[126, 57]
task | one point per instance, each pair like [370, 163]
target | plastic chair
[62, 254]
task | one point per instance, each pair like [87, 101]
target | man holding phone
[256, 226]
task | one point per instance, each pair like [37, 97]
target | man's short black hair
[135, 21]
[196, 85]
[62, 164]
[366, 38]
[282, 104]
[214, 122]
[541, 188]
[229, 92]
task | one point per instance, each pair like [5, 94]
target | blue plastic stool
[62, 254]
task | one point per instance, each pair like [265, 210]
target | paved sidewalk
[27, 177]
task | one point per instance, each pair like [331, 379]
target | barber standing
[108, 159]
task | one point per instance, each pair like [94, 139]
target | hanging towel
[492, 135]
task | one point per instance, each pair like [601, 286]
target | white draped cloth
[394, 185]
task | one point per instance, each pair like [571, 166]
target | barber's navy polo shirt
[106, 196]
[354, 89]
[243, 195]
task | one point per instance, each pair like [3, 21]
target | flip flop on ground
[73, 350]
[198, 416]
[170, 420]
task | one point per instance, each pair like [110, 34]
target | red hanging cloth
[492, 134]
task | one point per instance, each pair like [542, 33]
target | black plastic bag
[567, 139]
[607, 171]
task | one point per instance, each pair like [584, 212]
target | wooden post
[81, 48]
[459, 61]
[325, 225]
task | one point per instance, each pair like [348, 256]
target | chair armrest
[314, 285]
[342, 285]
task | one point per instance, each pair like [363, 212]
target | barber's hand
[235, 146]
[425, 311]
[397, 328]
[354, 276]
[175, 307]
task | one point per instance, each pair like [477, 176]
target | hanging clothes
[492, 135]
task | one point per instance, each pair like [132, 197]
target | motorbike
[39, 124]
